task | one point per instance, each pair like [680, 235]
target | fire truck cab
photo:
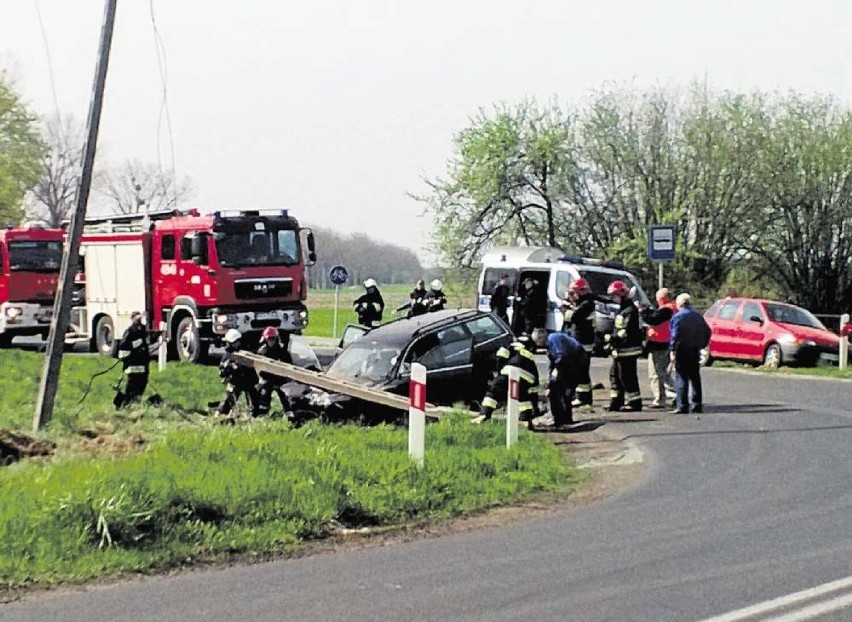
[29, 269]
[195, 276]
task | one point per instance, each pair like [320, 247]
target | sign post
[843, 354]
[338, 275]
[417, 414]
[661, 246]
[162, 348]
[512, 406]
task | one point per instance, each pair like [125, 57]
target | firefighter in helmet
[416, 304]
[276, 347]
[369, 305]
[517, 355]
[435, 298]
[625, 344]
[238, 379]
[135, 357]
[579, 321]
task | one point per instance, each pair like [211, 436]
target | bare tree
[52, 197]
[135, 186]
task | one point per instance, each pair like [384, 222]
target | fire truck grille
[263, 288]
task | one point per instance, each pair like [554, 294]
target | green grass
[181, 488]
[824, 371]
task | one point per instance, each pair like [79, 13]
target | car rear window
[729, 310]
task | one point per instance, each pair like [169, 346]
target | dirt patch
[15, 446]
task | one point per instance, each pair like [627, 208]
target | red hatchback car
[768, 332]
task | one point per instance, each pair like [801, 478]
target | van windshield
[599, 282]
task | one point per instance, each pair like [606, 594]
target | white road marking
[809, 613]
[786, 601]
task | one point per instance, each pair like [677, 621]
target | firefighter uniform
[626, 348]
[579, 320]
[435, 299]
[515, 356]
[417, 300]
[277, 350]
[370, 305]
[134, 355]
[238, 380]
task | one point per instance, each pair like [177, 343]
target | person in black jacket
[273, 346]
[527, 307]
[135, 357]
[435, 299]
[370, 305]
[416, 304]
[567, 358]
[516, 355]
[500, 298]
[626, 348]
[689, 334]
[238, 379]
[579, 320]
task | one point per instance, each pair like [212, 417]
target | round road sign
[338, 275]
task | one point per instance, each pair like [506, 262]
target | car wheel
[704, 358]
[772, 356]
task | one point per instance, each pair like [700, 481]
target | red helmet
[579, 286]
[269, 332]
[617, 288]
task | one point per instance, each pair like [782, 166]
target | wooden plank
[321, 381]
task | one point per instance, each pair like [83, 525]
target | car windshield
[265, 247]
[364, 361]
[35, 256]
[788, 314]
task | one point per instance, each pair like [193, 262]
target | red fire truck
[194, 275]
[29, 270]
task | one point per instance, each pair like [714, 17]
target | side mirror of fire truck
[199, 249]
[312, 254]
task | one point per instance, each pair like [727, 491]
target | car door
[448, 364]
[723, 341]
[751, 323]
[488, 337]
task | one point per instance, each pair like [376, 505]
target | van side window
[563, 280]
[167, 248]
[492, 275]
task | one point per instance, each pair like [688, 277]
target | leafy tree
[135, 186]
[20, 152]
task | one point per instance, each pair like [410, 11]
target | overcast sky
[335, 109]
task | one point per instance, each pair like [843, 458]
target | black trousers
[265, 389]
[624, 383]
[584, 381]
[134, 387]
[687, 372]
[560, 393]
[233, 393]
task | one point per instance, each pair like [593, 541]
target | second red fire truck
[194, 275]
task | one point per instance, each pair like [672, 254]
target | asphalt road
[749, 503]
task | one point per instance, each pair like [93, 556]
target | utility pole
[62, 304]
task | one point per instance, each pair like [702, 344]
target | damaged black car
[457, 347]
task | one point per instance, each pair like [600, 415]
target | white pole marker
[843, 354]
[162, 348]
[512, 406]
[417, 414]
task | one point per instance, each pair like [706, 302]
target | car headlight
[787, 339]
[809, 342]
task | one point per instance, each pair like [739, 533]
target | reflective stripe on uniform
[619, 321]
[589, 347]
[533, 389]
[136, 343]
[136, 369]
[634, 396]
[627, 352]
[490, 402]
[503, 353]
[613, 393]
[524, 407]
[584, 388]
[123, 354]
[522, 373]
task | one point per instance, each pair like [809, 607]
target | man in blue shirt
[567, 362]
[689, 334]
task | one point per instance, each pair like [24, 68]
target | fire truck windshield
[35, 256]
[270, 247]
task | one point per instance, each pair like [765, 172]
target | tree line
[759, 187]
[364, 258]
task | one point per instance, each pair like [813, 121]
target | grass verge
[823, 371]
[188, 490]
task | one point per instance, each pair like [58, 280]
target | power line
[160, 47]
[49, 61]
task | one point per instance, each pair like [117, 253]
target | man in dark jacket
[579, 320]
[516, 355]
[500, 298]
[526, 307]
[567, 360]
[657, 336]
[273, 346]
[689, 334]
[435, 298]
[238, 379]
[370, 305]
[626, 347]
[135, 357]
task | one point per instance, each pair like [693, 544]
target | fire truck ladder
[129, 223]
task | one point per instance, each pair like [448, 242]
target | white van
[554, 272]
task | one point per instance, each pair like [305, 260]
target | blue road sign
[661, 242]
[338, 275]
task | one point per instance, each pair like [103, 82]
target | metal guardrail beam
[321, 381]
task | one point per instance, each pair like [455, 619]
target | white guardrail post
[512, 406]
[417, 414]
[162, 348]
[843, 355]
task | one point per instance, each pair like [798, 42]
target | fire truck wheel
[5, 341]
[188, 342]
[104, 339]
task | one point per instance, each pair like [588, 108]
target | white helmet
[436, 285]
[370, 283]
[232, 335]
